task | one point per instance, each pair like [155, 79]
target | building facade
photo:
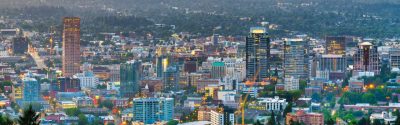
[31, 89]
[273, 104]
[171, 79]
[366, 60]
[336, 45]
[71, 55]
[130, 76]
[257, 54]
[151, 110]
[296, 58]
[306, 118]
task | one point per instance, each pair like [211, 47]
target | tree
[271, 120]
[172, 122]
[397, 122]
[72, 111]
[257, 123]
[82, 119]
[5, 83]
[377, 122]
[107, 103]
[362, 121]
[330, 122]
[316, 97]
[5, 120]
[287, 109]
[29, 117]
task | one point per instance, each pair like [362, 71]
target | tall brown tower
[71, 46]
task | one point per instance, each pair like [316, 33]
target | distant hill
[369, 18]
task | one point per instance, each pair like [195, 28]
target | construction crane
[243, 101]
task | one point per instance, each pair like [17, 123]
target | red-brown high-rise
[71, 46]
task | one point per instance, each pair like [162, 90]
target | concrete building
[306, 118]
[87, 79]
[331, 67]
[217, 118]
[296, 58]
[366, 60]
[218, 70]
[291, 83]
[71, 54]
[273, 104]
[394, 58]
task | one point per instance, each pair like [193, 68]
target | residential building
[151, 110]
[306, 118]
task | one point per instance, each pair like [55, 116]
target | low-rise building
[273, 104]
[306, 118]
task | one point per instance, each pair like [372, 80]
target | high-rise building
[130, 76]
[336, 45]
[162, 64]
[215, 39]
[296, 58]
[151, 110]
[31, 88]
[171, 79]
[66, 84]
[20, 45]
[366, 60]
[71, 46]
[332, 67]
[257, 54]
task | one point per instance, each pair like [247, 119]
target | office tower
[215, 39]
[366, 60]
[71, 46]
[20, 45]
[162, 64]
[335, 45]
[332, 67]
[296, 58]
[31, 88]
[66, 84]
[257, 54]
[130, 75]
[218, 70]
[151, 110]
[171, 79]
